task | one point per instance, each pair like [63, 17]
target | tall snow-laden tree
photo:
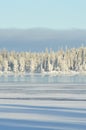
[15, 66]
[5, 65]
[21, 64]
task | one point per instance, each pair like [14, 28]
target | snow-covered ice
[31, 106]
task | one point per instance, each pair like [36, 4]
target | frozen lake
[43, 102]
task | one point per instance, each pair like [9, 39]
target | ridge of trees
[48, 61]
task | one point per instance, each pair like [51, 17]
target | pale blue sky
[54, 14]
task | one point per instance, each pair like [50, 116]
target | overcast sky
[54, 14]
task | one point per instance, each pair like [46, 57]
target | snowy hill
[38, 39]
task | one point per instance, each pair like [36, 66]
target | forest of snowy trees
[48, 61]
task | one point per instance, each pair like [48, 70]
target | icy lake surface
[43, 102]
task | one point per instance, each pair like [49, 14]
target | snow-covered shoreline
[52, 73]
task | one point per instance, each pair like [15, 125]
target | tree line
[48, 61]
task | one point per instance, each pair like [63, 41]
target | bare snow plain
[43, 106]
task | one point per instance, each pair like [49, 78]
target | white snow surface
[42, 106]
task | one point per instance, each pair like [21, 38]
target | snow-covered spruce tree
[21, 64]
[15, 66]
[5, 65]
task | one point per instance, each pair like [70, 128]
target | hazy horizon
[38, 39]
